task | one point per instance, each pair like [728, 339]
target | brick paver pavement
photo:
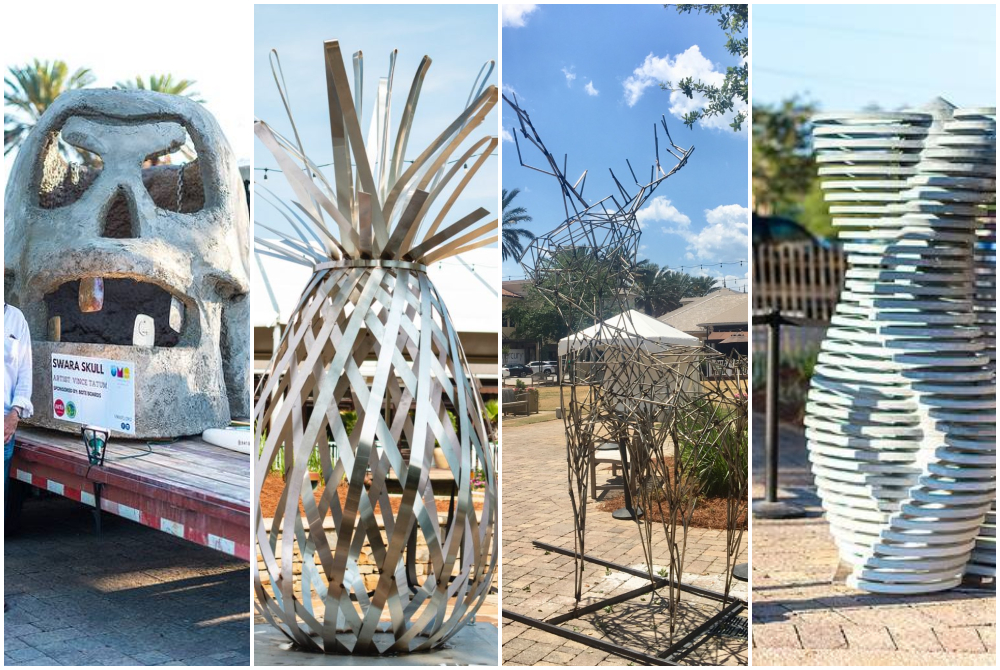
[535, 505]
[801, 617]
[133, 596]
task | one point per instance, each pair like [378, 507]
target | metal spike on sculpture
[901, 417]
[623, 390]
[368, 238]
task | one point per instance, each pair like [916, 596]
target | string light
[266, 170]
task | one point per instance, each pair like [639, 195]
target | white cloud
[515, 16]
[589, 88]
[725, 237]
[691, 63]
[727, 214]
[660, 209]
[505, 135]
[570, 76]
[508, 89]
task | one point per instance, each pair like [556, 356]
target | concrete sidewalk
[801, 617]
[536, 506]
[133, 596]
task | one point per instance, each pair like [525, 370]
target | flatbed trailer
[187, 488]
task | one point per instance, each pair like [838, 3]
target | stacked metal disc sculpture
[341, 572]
[901, 417]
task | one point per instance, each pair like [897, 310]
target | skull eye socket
[171, 175]
[66, 172]
[176, 187]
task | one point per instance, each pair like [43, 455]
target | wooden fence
[798, 277]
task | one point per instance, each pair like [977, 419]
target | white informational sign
[94, 391]
[514, 357]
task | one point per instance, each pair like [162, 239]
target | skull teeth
[176, 314]
[91, 297]
[144, 332]
[55, 329]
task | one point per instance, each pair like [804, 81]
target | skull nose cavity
[118, 217]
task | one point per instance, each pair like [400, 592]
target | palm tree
[660, 290]
[30, 90]
[512, 246]
[645, 286]
[163, 83]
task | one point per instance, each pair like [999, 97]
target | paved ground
[800, 617]
[535, 505]
[134, 596]
[475, 644]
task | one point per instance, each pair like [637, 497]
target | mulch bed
[708, 513]
[273, 485]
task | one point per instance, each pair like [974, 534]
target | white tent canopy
[633, 327]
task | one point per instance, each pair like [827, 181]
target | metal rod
[596, 607]
[610, 647]
[698, 591]
[729, 610]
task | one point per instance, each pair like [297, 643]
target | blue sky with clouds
[458, 38]
[588, 76]
[844, 57]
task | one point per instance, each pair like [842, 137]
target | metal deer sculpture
[621, 389]
[368, 238]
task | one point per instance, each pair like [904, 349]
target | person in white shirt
[16, 382]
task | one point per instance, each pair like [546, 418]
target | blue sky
[844, 57]
[83, 38]
[458, 38]
[587, 75]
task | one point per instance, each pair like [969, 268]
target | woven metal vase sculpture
[348, 568]
[901, 417]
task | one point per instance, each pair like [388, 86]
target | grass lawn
[548, 397]
[515, 421]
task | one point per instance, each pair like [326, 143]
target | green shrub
[492, 408]
[709, 466]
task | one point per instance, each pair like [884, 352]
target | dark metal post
[770, 507]
[97, 507]
[771, 416]
[627, 512]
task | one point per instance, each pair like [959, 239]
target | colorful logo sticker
[60, 407]
[114, 371]
[70, 410]
[126, 373]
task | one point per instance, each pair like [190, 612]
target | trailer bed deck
[188, 487]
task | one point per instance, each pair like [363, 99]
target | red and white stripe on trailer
[56, 487]
[173, 527]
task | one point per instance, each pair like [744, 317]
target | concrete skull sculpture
[127, 259]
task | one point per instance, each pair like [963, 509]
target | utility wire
[841, 30]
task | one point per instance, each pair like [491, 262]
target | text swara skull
[134, 261]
